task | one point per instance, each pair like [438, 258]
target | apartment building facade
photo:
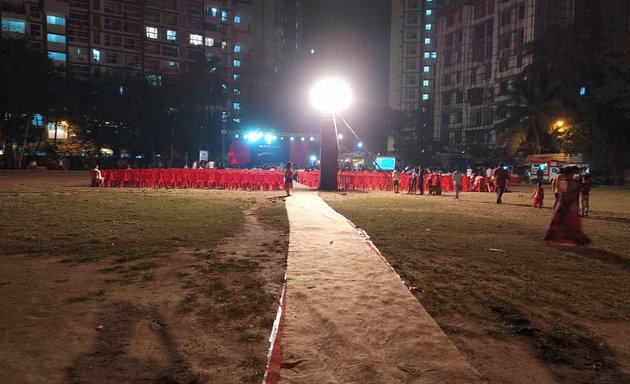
[157, 39]
[476, 52]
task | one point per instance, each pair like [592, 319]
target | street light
[330, 96]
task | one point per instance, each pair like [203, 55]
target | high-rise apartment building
[157, 38]
[460, 60]
[413, 57]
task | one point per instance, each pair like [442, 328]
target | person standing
[585, 191]
[412, 182]
[565, 227]
[457, 182]
[469, 171]
[395, 175]
[288, 178]
[500, 179]
[421, 180]
[539, 196]
[489, 179]
[539, 175]
[554, 188]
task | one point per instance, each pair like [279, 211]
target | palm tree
[557, 56]
[529, 113]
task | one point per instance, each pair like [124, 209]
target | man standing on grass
[457, 181]
[500, 179]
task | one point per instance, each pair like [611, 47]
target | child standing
[539, 196]
[395, 179]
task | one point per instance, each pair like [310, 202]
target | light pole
[330, 96]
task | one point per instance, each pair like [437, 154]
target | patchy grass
[175, 256]
[87, 225]
[487, 265]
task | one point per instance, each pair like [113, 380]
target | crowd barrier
[192, 178]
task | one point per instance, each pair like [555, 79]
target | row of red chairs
[193, 178]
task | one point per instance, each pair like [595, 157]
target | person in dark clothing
[500, 176]
[421, 180]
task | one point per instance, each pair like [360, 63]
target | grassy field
[160, 285]
[483, 272]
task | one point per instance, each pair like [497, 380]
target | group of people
[497, 177]
[416, 183]
[202, 164]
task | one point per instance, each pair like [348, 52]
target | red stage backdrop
[239, 154]
[298, 153]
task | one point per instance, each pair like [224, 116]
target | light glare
[331, 95]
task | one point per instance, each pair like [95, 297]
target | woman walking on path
[288, 178]
[566, 227]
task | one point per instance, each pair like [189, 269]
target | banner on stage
[203, 155]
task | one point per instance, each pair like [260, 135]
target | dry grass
[170, 253]
[483, 268]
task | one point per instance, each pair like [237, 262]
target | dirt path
[349, 318]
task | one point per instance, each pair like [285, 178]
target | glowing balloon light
[331, 95]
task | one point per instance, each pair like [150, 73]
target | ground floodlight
[331, 95]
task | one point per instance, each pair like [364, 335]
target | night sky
[351, 39]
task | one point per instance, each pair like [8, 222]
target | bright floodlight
[331, 95]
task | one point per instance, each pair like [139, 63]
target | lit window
[434, 55]
[427, 27]
[55, 20]
[196, 39]
[224, 16]
[429, 12]
[425, 96]
[237, 91]
[425, 83]
[427, 55]
[57, 56]
[53, 38]
[214, 12]
[171, 35]
[427, 41]
[209, 41]
[236, 76]
[237, 63]
[57, 131]
[426, 69]
[152, 32]
[15, 26]
[237, 19]
[237, 106]
[38, 120]
[173, 65]
[237, 48]
[96, 55]
[155, 80]
[582, 91]
[224, 45]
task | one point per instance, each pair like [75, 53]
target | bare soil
[189, 316]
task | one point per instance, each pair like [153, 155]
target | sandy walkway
[349, 319]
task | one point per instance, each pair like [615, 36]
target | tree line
[129, 114]
[583, 82]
